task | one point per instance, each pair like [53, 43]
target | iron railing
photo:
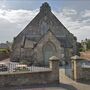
[16, 67]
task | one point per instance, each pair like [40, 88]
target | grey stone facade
[42, 38]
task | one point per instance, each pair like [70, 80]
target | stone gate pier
[80, 68]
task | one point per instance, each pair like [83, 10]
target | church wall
[48, 38]
[15, 55]
[44, 21]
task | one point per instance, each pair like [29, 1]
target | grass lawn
[4, 50]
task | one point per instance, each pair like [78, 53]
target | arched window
[44, 27]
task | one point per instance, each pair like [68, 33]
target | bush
[4, 53]
[88, 45]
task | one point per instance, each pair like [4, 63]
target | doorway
[48, 51]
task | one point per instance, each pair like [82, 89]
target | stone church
[42, 38]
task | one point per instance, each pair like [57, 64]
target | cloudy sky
[16, 14]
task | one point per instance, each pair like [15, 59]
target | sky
[16, 14]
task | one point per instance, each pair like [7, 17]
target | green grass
[4, 50]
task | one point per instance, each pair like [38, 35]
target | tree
[88, 44]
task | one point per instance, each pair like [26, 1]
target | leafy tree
[88, 44]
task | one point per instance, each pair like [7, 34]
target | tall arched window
[43, 27]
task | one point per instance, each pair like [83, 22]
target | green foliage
[4, 51]
[85, 45]
[81, 49]
[88, 45]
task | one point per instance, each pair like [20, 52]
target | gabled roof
[46, 34]
[26, 43]
[34, 27]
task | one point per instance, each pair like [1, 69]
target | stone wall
[86, 73]
[19, 79]
[35, 77]
[48, 38]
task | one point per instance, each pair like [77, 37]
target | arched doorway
[48, 51]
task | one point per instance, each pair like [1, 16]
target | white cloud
[68, 12]
[13, 21]
[18, 16]
[78, 26]
[86, 13]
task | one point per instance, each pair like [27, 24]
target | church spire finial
[45, 7]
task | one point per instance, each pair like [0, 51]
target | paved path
[5, 61]
[42, 87]
[79, 86]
